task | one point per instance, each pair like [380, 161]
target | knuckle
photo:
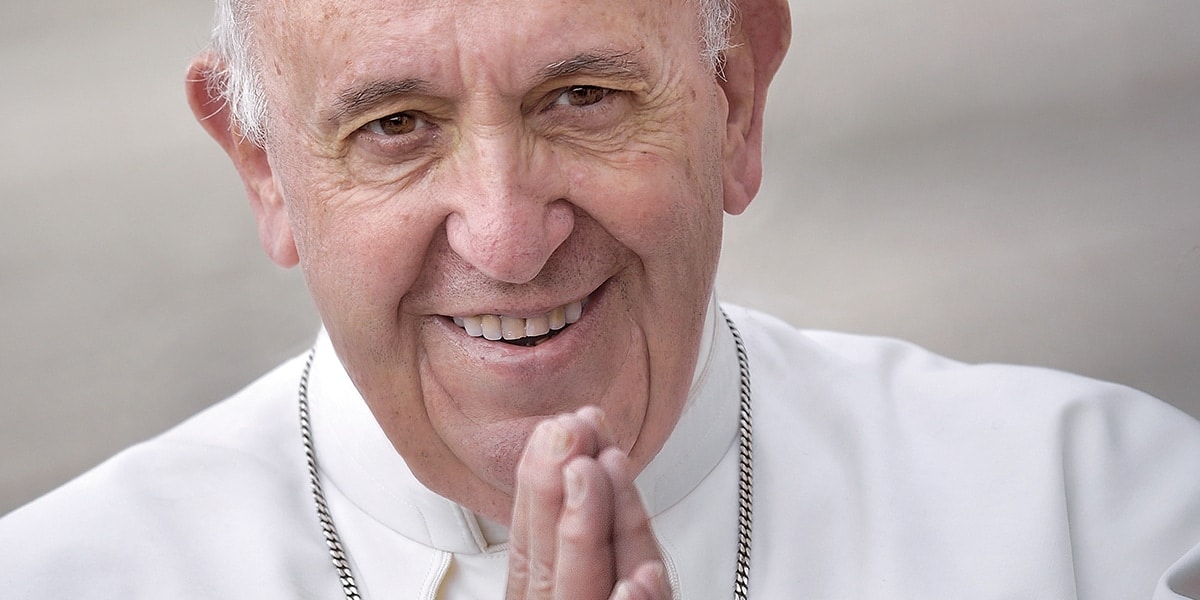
[529, 576]
[541, 578]
[518, 556]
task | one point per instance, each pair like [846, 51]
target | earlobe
[250, 159]
[758, 44]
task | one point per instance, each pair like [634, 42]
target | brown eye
[582, 95]
[401, 123]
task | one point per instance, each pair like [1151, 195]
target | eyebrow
[357, 100]
[622, 65]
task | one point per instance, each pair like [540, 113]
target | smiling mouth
[520, 331]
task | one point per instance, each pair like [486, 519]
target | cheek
[666, 209]
[360, 247]
[662, 193]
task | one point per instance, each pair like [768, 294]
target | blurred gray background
[998, 180]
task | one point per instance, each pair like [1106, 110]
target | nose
[510, 213]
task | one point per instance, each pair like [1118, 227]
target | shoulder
[886, 374]
[219, 489]
[894, 393]
[1058, 469]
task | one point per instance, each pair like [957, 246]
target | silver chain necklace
[741, 577]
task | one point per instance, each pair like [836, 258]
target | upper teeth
[503, 327]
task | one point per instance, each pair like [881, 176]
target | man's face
[456, 166]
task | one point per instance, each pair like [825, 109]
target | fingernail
[557, 441]
[575, 488]
[602, 421]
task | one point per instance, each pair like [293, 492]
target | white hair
[239, 81]
[238, 74]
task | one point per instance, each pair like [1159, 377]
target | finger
[599, 424]
[585, 564]
[633, 538]
[538, 494]
[538, 501]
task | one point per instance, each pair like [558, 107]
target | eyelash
[408, 143]
[595, 99]
[605, 94]
[377, 126]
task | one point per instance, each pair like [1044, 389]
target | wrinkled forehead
[286, 26]
[313, 49]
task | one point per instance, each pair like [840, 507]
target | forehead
[496, 35]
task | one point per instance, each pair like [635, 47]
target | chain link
[741, 576]
[336, 552]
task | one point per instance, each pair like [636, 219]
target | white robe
[881, 471]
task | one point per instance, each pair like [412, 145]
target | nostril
[509, 239]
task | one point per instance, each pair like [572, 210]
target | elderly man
[509, 217]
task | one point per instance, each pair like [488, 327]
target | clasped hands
[579, 529]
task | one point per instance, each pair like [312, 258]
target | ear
[204, 78]
[758, 43]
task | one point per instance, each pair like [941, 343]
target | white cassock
[880, 471]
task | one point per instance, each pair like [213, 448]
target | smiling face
[547, 172]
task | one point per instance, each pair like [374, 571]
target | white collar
[356, 457]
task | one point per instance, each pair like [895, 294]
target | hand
[579, 529]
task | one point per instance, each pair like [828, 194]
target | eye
[582, 95]
[401, 123]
